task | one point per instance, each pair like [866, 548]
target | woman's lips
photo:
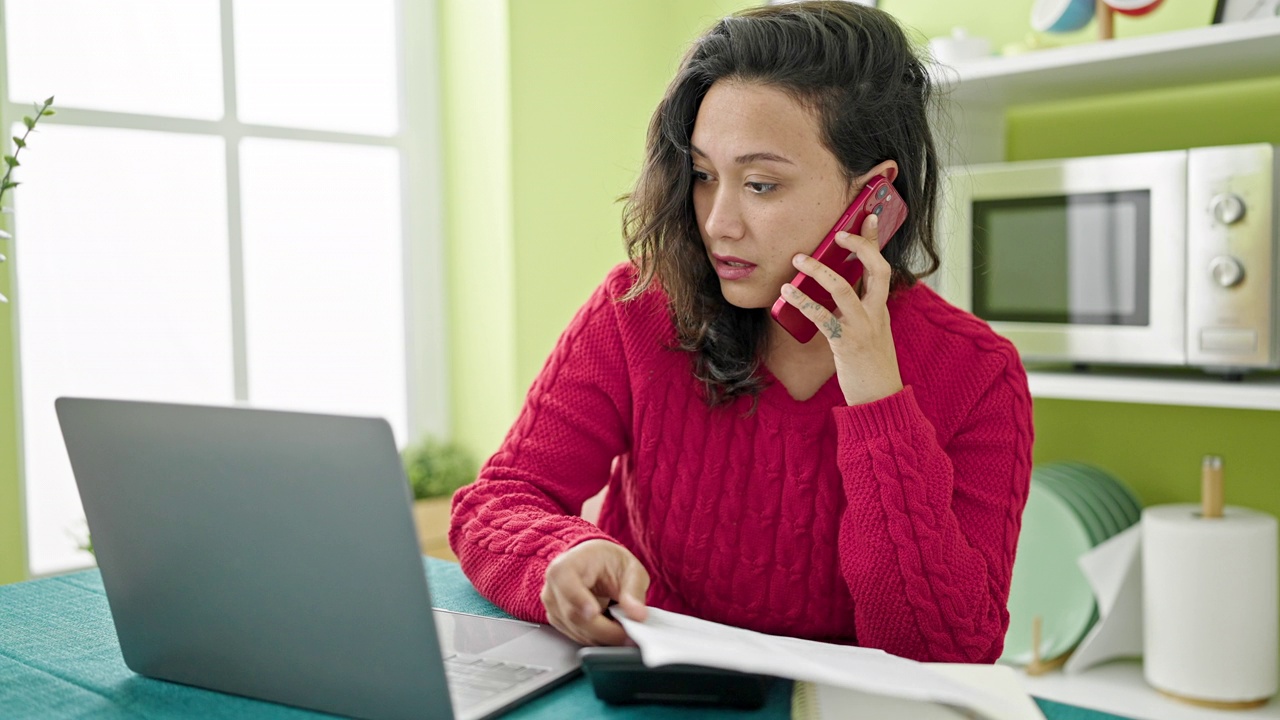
[732, 268]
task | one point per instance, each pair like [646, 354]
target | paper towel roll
[1210, 603]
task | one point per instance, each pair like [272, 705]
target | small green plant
[437, 468]
[21, 142]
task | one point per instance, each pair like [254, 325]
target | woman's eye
[699, 176]
[760, 188]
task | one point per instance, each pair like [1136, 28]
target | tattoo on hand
[833, 328]
[811, 305]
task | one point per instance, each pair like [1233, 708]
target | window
[217, 214]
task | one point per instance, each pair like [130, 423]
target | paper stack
[841, 679]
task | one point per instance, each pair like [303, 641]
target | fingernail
[873, 220]
[799, 258]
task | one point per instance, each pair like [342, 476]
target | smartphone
[877, 198]
[618, 676]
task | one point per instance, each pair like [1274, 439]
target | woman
[866, 487]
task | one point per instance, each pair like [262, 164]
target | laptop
[273, 555]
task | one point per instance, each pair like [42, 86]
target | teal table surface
[59, 658]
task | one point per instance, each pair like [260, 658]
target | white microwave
[1160, 258]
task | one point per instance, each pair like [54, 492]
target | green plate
[1118, 489]
[1106, 489]
[1081, 490]
[1046, 579]
[1098, 529]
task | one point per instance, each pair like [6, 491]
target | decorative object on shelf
[1106, 10]
[11, 162]
[1061, 16]
[1210, 589]
[1229, 11]
[959, 46]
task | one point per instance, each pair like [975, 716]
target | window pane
[326, 66]
[155, 57]
[123, 291]
[324, 298]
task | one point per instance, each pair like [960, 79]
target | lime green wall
[476, 126]
[545, 108]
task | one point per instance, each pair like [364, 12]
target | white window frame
[421, 193]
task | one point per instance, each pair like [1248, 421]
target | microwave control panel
[1231, 257]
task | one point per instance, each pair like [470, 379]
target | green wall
[546, 103]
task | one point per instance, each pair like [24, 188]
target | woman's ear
[888, 168]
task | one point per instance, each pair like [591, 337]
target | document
[667, 638]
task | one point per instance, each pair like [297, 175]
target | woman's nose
[724, 220]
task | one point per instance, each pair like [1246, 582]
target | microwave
[1156, 259]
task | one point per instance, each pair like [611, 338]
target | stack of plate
[1072, 507]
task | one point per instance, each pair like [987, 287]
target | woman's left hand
[861, 341]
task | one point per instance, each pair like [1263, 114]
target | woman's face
[764, 187]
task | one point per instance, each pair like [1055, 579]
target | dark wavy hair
[855, 69]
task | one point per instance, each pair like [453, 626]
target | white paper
[1114, 571]
[668, 638]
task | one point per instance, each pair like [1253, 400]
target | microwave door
[1077, 260]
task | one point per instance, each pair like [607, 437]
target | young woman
[866, 487]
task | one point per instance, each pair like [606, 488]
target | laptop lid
[262, 553]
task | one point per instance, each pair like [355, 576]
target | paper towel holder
[1211, 490]
[1211, 508]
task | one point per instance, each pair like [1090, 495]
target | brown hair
[851, 65]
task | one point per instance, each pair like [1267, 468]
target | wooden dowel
[1211, 492]
[1106, 20]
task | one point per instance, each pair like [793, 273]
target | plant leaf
[26, 120]
[19, 141]
[48, 112]
[8, 185]
[11, 161]
[49, 101]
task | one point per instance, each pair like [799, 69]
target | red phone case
[877, 197]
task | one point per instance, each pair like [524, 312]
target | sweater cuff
[888, 415]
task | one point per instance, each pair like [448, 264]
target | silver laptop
[273, 555]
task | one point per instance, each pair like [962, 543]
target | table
[59, 658]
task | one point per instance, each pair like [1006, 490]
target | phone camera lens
[878, 209]
[882, 192]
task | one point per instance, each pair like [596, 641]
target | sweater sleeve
[929, 534]
[524, 508]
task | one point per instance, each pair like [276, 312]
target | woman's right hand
[583, 580]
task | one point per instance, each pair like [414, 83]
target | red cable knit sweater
[890, 525]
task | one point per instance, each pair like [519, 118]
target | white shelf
[1251, 393]
[1119, 688]
[1216, 53]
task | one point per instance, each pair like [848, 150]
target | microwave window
[1068, 259]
